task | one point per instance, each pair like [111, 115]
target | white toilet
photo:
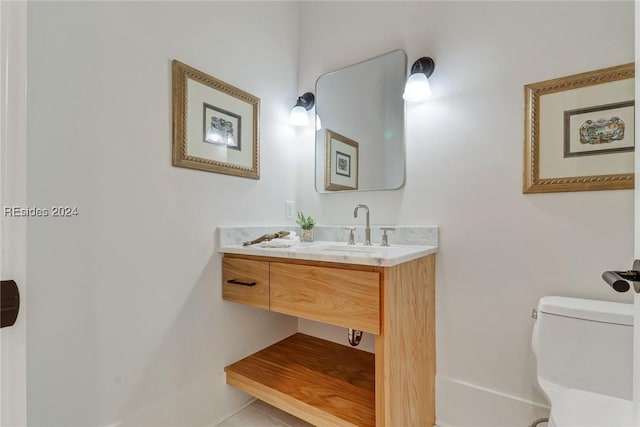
[584, 351]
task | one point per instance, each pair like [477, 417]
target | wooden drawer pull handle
[237, 282]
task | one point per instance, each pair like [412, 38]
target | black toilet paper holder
[622, 281]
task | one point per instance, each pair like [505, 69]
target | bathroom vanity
[388, 292]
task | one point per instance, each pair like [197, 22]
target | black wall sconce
[417, 88]
[299, 115]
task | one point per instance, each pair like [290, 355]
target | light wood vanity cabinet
[330, 384]
[246, 281]
[331, 295]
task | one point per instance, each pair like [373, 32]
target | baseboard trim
[463, 404]
[202, 403]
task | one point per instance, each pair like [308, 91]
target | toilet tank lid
[594, 310]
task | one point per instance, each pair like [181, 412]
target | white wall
[500, 250]
[126, 322]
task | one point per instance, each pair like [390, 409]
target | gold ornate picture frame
[215, 124]
[341, 162]
[579, 132]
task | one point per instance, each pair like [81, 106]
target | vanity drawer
[246, 281]
[348, 298]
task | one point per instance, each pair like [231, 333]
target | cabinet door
[246, 281]
[348, 298]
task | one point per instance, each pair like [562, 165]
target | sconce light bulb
[299, 116]
[417, 88]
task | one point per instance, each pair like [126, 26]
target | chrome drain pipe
[355, 336]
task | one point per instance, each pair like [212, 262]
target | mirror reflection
[361, 143]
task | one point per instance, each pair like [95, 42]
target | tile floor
[259, 414]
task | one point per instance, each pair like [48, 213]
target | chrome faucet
[367, 230]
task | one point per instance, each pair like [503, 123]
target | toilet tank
[584, 344]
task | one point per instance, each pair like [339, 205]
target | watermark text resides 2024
[36, 212]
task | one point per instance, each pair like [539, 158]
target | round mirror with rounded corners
[360, 146]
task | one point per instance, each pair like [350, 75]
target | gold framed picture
[579, 132]
[341, 162]
[215, 124]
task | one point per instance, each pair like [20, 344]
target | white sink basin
[360, 249]
[361, 254]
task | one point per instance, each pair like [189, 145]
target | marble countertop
[230, 238]
[338, 252]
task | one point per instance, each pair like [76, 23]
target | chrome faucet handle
[385, 238]
[352, 239]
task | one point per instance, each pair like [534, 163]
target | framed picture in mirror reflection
[341, 162]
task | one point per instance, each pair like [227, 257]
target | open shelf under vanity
[317, 380]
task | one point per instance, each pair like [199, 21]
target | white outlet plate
[289, 210]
